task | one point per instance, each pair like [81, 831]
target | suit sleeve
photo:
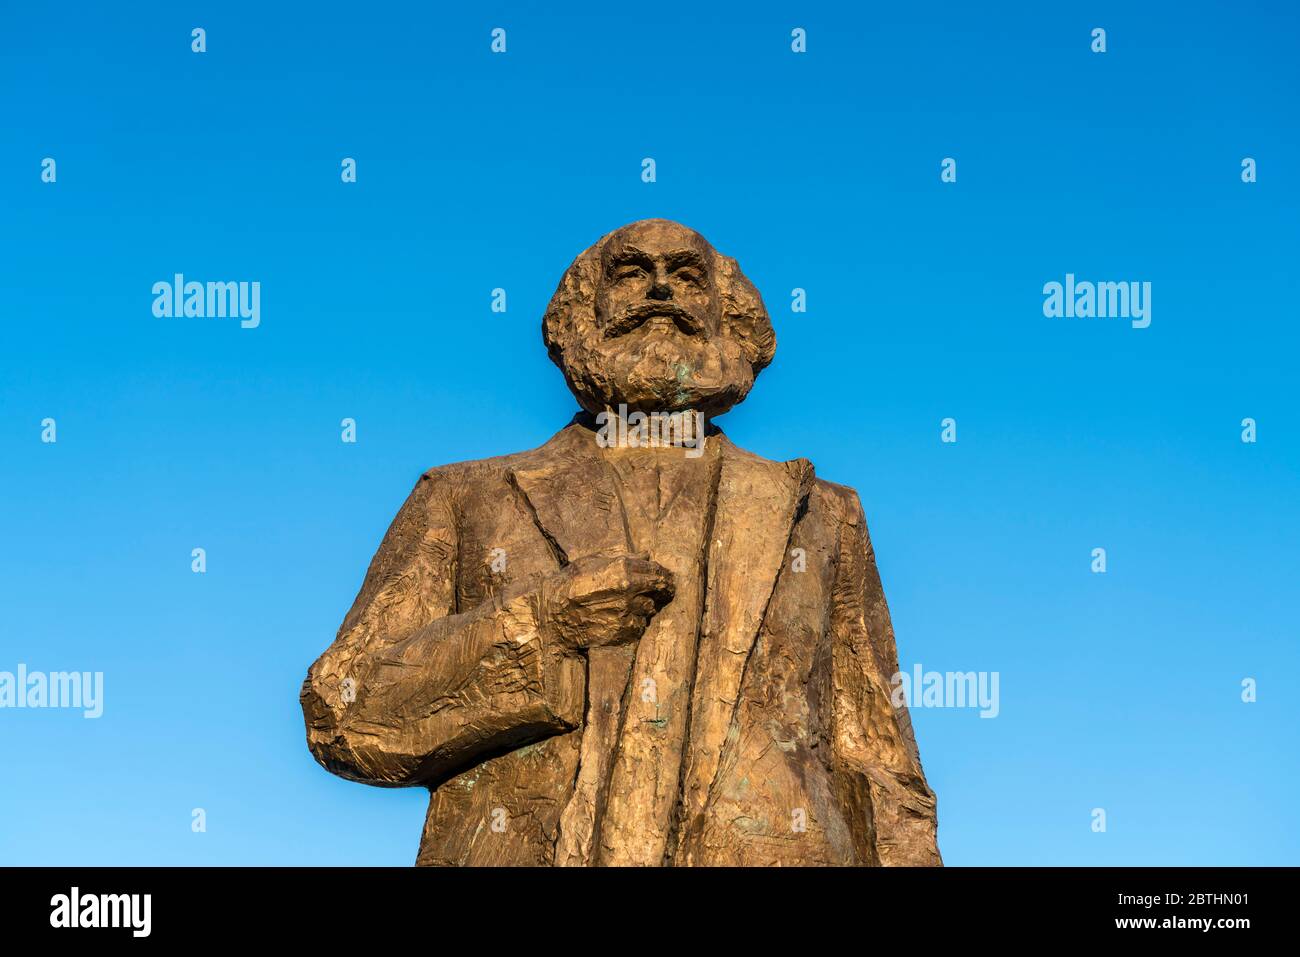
[876, 764]
[413, 689]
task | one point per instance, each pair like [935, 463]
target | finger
[647, 570]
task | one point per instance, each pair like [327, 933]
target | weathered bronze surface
[618, 650]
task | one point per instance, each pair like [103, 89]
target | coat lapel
[573, 499]
[576, 507]
[758, 501]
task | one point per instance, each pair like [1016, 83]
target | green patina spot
[684, 372]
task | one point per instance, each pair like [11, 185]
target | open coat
[755, 727]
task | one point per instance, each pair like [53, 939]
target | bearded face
[654, 318]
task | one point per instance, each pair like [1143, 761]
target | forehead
[655, 239]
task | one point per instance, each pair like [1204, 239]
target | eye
[689, 275]
[630, 271]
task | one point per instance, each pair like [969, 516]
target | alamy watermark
[1099, 300]
[637, 430]
[55, 689]
[213, 300]
[75, 909]
[947, 689]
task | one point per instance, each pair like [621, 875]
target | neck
[621, 427]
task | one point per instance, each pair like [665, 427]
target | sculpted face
[654, 318]
[657, 278]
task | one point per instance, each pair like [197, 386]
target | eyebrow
[676, 258]
[686, 257]
[628, 254]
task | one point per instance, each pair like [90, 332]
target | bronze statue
[637, 644]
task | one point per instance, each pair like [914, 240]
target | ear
[744, 317]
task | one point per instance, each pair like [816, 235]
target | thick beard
[659, 373]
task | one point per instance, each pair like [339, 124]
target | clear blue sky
[820, 171]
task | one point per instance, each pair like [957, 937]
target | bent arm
[409, 692]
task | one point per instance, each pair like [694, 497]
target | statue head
[655, 318]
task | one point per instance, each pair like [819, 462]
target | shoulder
[840, 502]
[843, 499]
[447, 481]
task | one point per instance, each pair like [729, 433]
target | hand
[600, 600]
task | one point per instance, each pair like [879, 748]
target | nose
[659, 289]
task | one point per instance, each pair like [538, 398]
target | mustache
[633, 317]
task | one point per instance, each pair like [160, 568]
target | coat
[753, 726]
